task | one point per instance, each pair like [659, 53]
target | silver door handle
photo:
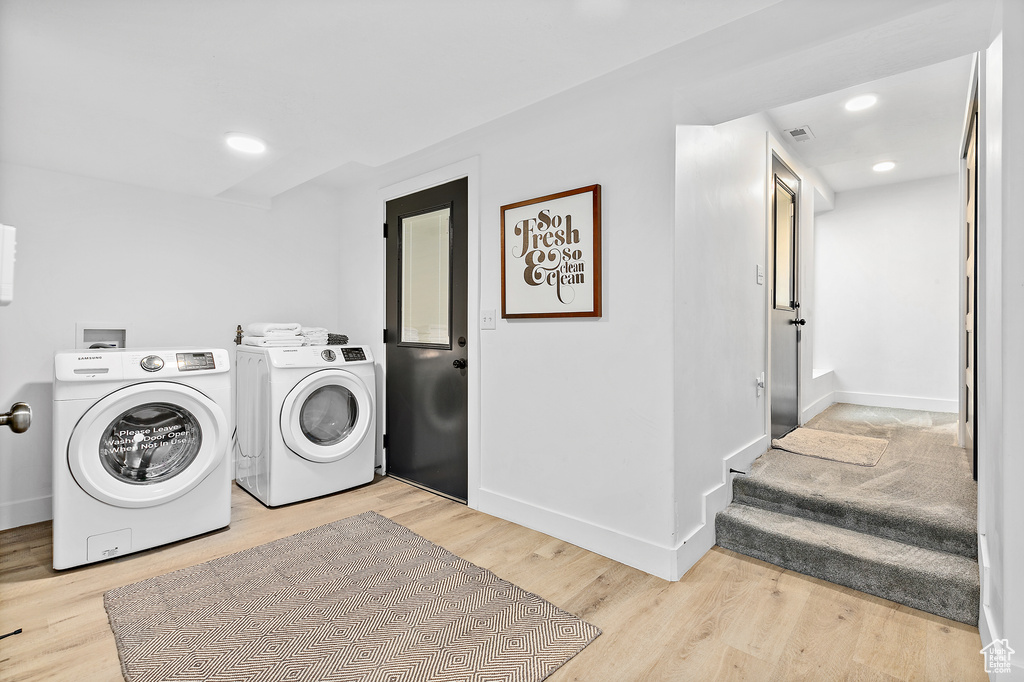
[19, 418]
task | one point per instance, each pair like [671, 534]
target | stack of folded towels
[273, 334]
[314, 336]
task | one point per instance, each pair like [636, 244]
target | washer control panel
[353, 354]
[195, 362]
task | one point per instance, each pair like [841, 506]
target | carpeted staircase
[831, 521]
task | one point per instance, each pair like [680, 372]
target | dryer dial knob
[152, 363]
[329, 355]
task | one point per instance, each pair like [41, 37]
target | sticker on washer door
[150, 442]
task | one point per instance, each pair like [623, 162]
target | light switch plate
[487, 320]
[760, 274]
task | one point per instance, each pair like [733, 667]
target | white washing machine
[306, 421]
[141, 449]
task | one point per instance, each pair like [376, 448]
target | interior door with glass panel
[426, 335]
[969, 288]
[785, 306]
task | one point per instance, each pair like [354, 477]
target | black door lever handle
[800, 321]
[459, 364]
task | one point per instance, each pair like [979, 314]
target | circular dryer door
[147, 444]
[326, 415]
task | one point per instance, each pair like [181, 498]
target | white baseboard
[702, 538]
[817, 407]
[24, 512]
[897, 401]
[626, 549]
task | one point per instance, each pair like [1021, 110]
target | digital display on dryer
[193, 362]
[353, 354]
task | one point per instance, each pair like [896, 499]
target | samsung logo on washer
[90, 357]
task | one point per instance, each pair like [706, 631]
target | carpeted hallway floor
[878, 529]
[924, 479]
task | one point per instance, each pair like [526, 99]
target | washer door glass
[329, 415]
[150, 443]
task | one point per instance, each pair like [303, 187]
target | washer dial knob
[329, 355]
[152, 363]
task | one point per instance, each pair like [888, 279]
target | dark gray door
[785, 306]
[427, 403]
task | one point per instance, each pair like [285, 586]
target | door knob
[459, 364]
[800, 322]
[19, 418]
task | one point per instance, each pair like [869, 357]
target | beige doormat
[363, 598]
[838, 447]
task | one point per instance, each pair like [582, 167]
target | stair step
[890, 519]
[937, 582]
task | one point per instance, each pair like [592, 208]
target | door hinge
[385, 230]
[384, 440]
[385, 336]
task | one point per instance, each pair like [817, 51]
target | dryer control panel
[353, 354]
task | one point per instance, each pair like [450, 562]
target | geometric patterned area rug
[359, 599]
[838, 447]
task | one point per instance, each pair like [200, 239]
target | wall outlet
[760, 274]
[487, 320]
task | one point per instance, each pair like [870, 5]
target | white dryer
[306, 421]
[141, 449]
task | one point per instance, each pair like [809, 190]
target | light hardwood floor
[729, 618]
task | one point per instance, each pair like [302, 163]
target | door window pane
[425, 278]
[150, 443]
[328, 415]
[785, 209]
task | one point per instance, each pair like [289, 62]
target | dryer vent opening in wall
[801, 134]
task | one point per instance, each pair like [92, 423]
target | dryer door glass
[150, 443]
[329, 415]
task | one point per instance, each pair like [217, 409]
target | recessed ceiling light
[245, 143]
[861, 102]
[883, 166]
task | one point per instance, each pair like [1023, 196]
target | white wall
[1000, 437]
[720, 311]
[176, 270]
[887, 282]
[575, 424]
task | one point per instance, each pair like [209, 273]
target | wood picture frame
[551, 255]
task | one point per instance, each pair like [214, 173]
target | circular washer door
[326, 416]
[147, 444]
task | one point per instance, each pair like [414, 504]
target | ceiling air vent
[801, 134]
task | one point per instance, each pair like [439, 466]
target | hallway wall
[887, 283]
[1000, 430]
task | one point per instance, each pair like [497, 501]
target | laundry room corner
[173, 269]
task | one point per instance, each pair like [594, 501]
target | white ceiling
[917, 123]
[142, 91]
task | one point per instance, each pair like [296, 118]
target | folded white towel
[306, 331]
[269, 341]
[272, 328]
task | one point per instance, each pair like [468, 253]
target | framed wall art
[551, 255]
